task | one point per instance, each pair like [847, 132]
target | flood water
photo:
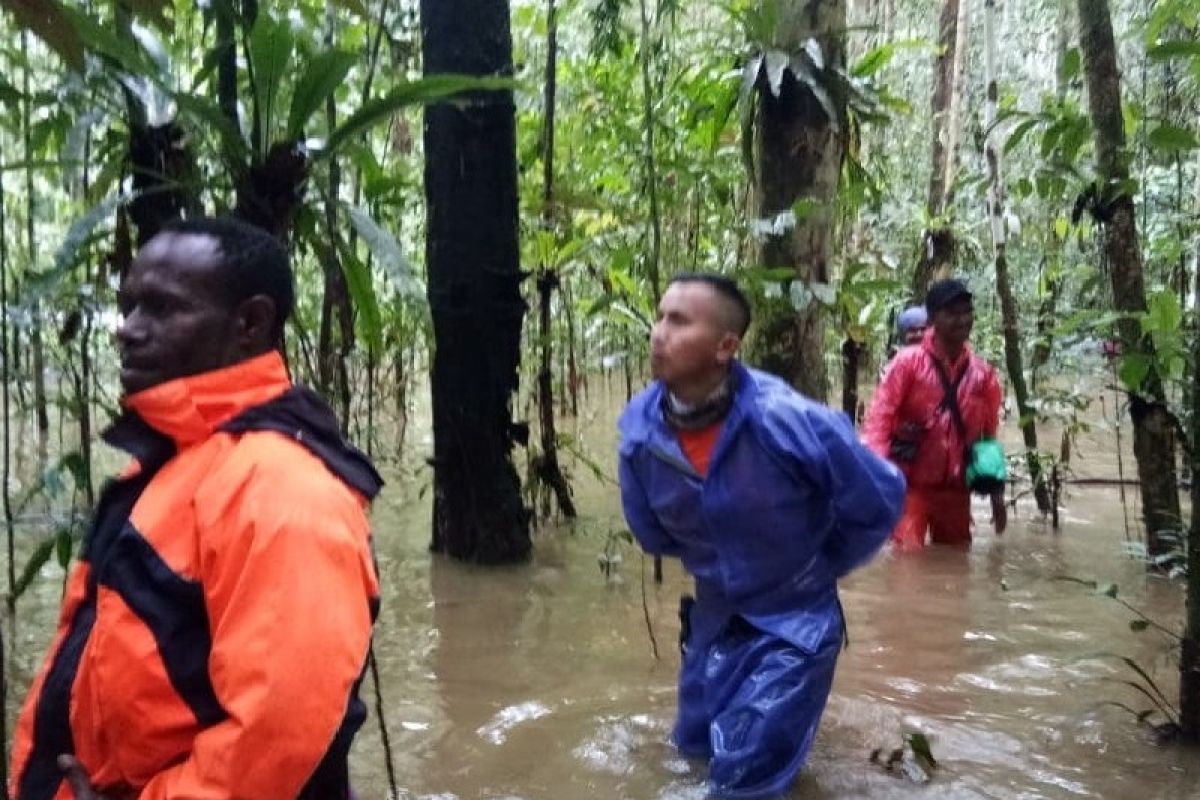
[539, 682]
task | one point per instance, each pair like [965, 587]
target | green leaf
[322, 76]
[1134, 369]
[1171, 138]
[271, 46]
[1018, 134]
[1182, 48]
[1070, 66]
[9, 94]
[356, 7]
[48, 21]
[102, 39]
[64, 545]
[430, 89]
[362, 291]
[388, 253]
[80, 234]
[1061, 227]
[37, 559]
[1139, 625]
[206, 114]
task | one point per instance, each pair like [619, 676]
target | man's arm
[643, 522]
[880, 425]
[866, 491]
[289, 581]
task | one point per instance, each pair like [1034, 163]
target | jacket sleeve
[882, 416]
[289, 582]
[643, 522]
[866, 492]
[993, 397]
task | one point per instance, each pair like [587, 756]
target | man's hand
[77, 779]
[999, 513]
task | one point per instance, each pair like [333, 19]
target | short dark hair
[252, 262]
[725, 287]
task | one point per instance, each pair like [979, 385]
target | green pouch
[987, 468]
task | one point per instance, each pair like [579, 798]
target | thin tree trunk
[937, 240]
[1153, 432]
[546, 466]
[1008, 304]
[473, 256]
[649, 159]
[9, 528]
[851, 358]
[1052, 283]
[36, 347]
[798, 158]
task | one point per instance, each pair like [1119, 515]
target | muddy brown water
[538, 682]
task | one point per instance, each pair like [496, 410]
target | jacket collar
[660, 435]
[188, 410]
[931, 345]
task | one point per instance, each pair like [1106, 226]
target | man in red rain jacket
[911, 423]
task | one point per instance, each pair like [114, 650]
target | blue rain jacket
[791, 502]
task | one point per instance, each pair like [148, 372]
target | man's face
[176, 320]
[914, 334]
[690, 341]
[953, 323]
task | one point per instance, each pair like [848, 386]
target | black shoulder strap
[950, 401]
[300, 414]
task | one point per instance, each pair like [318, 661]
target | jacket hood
[189, 409]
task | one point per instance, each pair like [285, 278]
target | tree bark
[473, 256]
[1008, 304]
[1153, 432]
[546, 465]
[649, 158]
[798, 157]
[937, 240]
[1189, 660]
[37, 349]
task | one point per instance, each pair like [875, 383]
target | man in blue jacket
[768, 498]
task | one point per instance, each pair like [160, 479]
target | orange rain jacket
[215, 631]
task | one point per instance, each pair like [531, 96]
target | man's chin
[134, 380]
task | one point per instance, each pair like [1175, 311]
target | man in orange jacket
[214, 633]
[912, 421]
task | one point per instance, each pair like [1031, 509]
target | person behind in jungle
[911, 325]
[214, 632]
[768, 498]
[936, 401]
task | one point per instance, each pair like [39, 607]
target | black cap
[943, 293]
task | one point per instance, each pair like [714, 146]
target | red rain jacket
[214, 632]
[911, 391]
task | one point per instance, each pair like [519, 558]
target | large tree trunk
[798, 157]
[1008, 303]
[473, 256]
[1153, 433]
[1189, 661]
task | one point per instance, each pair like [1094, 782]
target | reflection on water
[538, 682]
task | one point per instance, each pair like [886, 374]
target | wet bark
[798, 156]
[1153, 433]
[473, 256]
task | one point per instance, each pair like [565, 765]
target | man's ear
[727, 348]
[256, 324]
